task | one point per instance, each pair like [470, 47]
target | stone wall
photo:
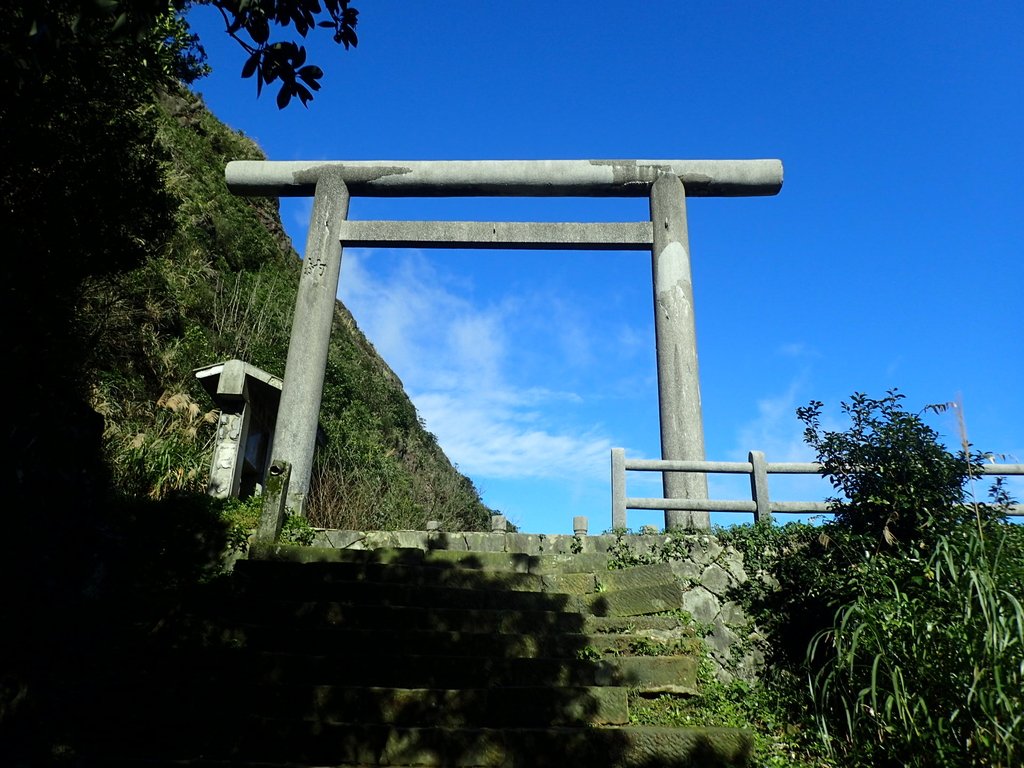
[708, 572]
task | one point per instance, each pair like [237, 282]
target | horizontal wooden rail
[760, 504]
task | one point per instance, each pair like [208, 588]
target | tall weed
[927, 667]
[160, 449]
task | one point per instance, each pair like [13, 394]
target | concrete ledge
[700, 545]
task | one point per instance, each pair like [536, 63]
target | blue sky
[891, 258]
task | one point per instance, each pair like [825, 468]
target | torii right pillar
[675, 330]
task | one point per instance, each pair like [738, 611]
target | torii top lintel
[505, 178]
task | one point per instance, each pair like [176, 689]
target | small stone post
[579, 525]
[299, 412]
[682, 430]
[273, 512]
[618, 489]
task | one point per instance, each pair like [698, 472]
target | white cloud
[775, 430]
[488, 439]
[797, 349]
[454, 358]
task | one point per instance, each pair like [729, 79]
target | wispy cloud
[776, 431]
[455, 359]
[488, 439]
[798, 349]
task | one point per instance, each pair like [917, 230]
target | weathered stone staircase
[413, 657]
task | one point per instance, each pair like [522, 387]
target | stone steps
[188, 705]
[373, 643]
[276, 745]
[297, 612]
[506, 562]
[412, 657]
[629, 592]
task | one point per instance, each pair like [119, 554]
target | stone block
[701, 604]
[638, 576]
[569, 563]
[570, 583]
[657, 674]
[686, 571]
[410, 539]
[525, 543]
[615, 624]
[733, 614]
[721, 640]
[484, 542]
[709, 546]
[636, 602]
[716, 580]
[346, 539]
[377, 539]
[445, 540]
[732, 561]
[482, 560]
[559, 544]
[600, 544]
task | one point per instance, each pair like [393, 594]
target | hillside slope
[224, 288]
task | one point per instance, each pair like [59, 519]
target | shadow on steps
[391, 662]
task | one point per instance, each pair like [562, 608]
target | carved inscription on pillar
[315, 265]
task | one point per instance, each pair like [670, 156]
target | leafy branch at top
[248, 22]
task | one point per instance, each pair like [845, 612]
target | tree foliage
[898, 482]
[249, 23]
[39, 34]
[82, 194]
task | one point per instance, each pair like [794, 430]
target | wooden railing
[759, 504]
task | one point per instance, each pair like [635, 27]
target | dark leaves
[249, 68]
[286, 61]
[310, 75]
[259, 30]
[283, 97]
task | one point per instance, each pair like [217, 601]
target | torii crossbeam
[666, 182]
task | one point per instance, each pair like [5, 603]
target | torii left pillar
[299, 412]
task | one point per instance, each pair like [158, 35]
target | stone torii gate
[666, 182]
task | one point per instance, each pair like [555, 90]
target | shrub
[898, 482]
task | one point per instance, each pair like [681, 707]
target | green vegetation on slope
[225, 287]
